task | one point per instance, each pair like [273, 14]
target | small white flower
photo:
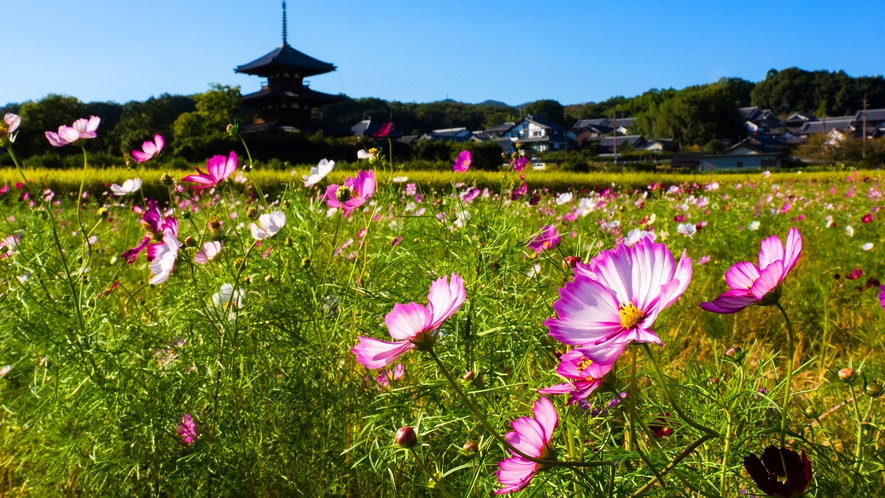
[534, 271]
[164, 261]
[585, 206]
[753, 226]
[318, 172]
[686, 229]
[849, 231]
[270, 225]
[829, 219]
[400, 179]
[128, 187]
[563, 198]
[5, 370]
[210, 250]
[227, 299]
[766, 173]
[867, 247]
[635, 235]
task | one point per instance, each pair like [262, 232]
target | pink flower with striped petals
[584, 375]
[759, 285]
[413, 324]
[149, 150]
[77, 134]
[533, 437]
[463, 161]
[218, 169]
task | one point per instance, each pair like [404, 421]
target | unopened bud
[185, 215]
[167, 179]
[103, 212]
[570, 262]
[343, 194]
[247, 168]
[468, 376]
[288, 242]
[190, 242]
[406, 437]
[268, 278]
[847, 375]
[305, 263]
[470, 448]
[247, 279]
[874, 390]
[232, 129]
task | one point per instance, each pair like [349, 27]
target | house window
[739, 164]
[536, 133]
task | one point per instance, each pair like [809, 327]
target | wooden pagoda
[285, 102]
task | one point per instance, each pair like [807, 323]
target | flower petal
[374, 354]
[406, 321]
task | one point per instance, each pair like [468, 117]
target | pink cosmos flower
[77, 134]
[353, 194]
[218, 169]
[584, 374]
[463, 162]
[867, 218]
[616, 297]
[149, 150]
[210, 250]
[882, 296]
[519, 164]
[187, 430]
[759, 285]
[163, 257]
[155, 226]
[8, 245]
[547, 239]
[533, 437]
[10, 123]
[384, 131]
[413, 324]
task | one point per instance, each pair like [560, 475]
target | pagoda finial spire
[285, 26]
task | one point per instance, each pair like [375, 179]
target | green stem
[789, 381]
[251, 168]
[672, 399]
[428, 472]
[671, 465]
[858, 451]
[633, 440]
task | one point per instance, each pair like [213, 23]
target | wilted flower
[128, 187]
[318, 172]
[149, 150]
[187, 430]
[414, 325]
[759, 285]
[463, 161]
[77, 134]
[780, 472]
[616, 297]
[218, 169]
[268, 225]
[533, 437]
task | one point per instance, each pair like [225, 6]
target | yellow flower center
[630, 316]
[584, 364]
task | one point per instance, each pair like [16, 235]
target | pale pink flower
[128, 187]
[759, 285]
[413, 324]
[5, 370]
[149, 150]
[533, 437]
[164, 257]
[268, 225]
[616, 297]
[8, 245]
[210, 250]
[77, 134]
[218, 169]
[10, 123]
[155, 226]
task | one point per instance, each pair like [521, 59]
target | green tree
[47, 114]
[201, 132]
[553, 110]
[140, 121]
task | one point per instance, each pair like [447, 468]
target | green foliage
[823, 93]
[714, 146]
[202, 132]
[551, 109]
[140, 121]
[47, 114]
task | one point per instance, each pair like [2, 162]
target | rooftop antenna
[285, 26]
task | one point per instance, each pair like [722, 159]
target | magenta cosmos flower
[353, 194]
[547, 239]
[218, 169]
[616, 297]
[187, 429]
[759, 285]
[149, 150]
[584, 376]
[882, 296]
[77, 134]
[463, 161]
[414, 325]
[383, 131]
[155, 226]
[534, 437]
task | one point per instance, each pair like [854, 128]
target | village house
[539, 134]
[750, 153]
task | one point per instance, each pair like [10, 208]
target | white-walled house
[539, 134]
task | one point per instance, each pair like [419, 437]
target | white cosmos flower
[867, 247]
[164, 261]
[228, 299]
[210, 250]
[753, 226]
[400, 179]
[318, 172]
[128, 187]
[563, 198]
[585, 206]
[849, 231]
[362, 154]
[270, 224]
[686, 229]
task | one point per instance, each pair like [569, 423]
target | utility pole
[864, 153]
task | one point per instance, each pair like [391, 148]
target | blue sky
[415, 51]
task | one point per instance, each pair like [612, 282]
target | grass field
[104, 366]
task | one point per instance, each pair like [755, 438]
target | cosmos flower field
[375, 336]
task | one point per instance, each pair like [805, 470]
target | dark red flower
[664, 429]
[867, 218]
[679, 218]
[854, 275]
[780, 472]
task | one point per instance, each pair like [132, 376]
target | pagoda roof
[286, 56]
[302, 94]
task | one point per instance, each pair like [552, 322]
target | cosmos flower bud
[232, 129]
[167, 179]
[406, 437]
[247, 167]
[190, 242]
[103, 212]
[305, 263]
[570, 262]
[873, 390]
[247, 279]
[469, 448]
[468, 376]
[847, 375]
[343, 194]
